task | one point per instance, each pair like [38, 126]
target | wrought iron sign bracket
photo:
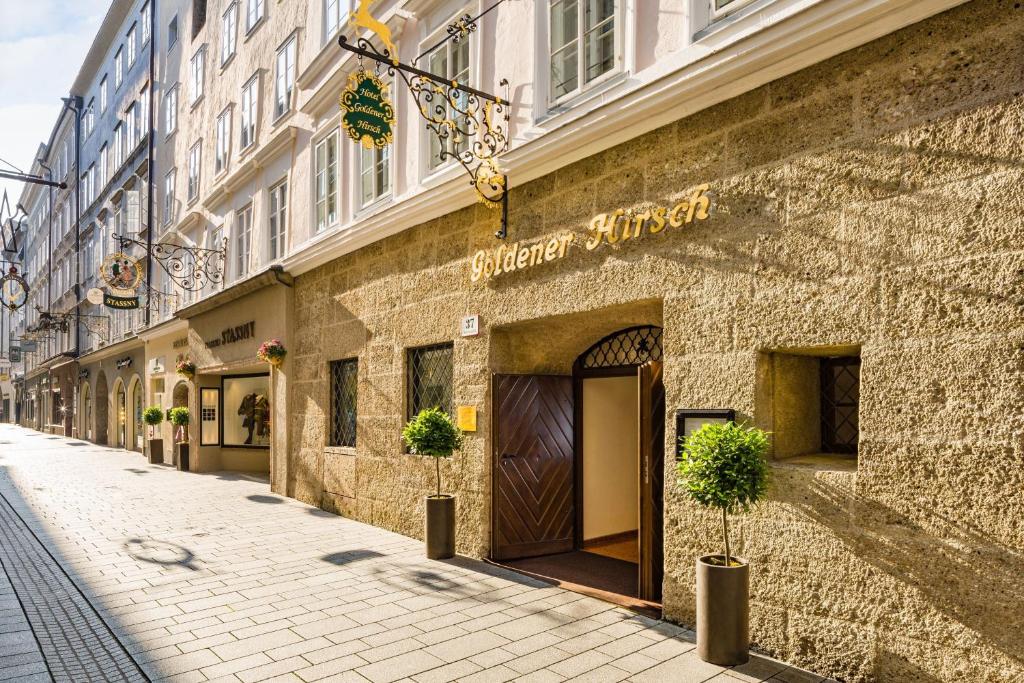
[471, 125]
[191, 268]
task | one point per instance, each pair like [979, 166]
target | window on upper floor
[118, 145]
[284, 81]
[583, 44]
[101, 178]
[118, 67]
[169, 181]
[143, 111]
[243, 241]
[720, 8]
[278, 224]
[103, 94]
[228, 33]
[335, 12]
[450, 60]
[198, 17]
[215, 242]
[146, 19]
[374, 173]
[89, 120]
[131, 44]
[131, 120]
[253, 13]
[325, 179]
[195, 158]
[171, 110]
[223, 143]
[197, 71]
[172, 32]
[249, 109]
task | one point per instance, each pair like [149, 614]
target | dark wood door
[652, 480]
[533, 466]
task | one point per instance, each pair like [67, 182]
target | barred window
[840, 399]
[344, 381]
[429, 378]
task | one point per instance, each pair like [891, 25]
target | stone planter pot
[440, 527]
[723, 611]
[156, 451]
[182, 459]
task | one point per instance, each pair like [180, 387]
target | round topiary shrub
[433, 433]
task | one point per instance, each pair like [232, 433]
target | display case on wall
[246, 411]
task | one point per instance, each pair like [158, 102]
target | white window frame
[243, 240]
[171, 110]
[104, 169]
[131, 120]
[249, 104]
[197, 74]
[228, 33]
[379, 194]
[172, 38]
[277, 238]
[118, 67]
[582, 87]
[471, 60]
[103, 93]
[132, 44]
[195, 170]
[118, 144]
[320, 226]
[282, 80]
[255, 13]
[170, 180]
[342, 9]
[716, 13]
[145, 20]
[222, 145]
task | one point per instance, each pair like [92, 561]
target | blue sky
[42, 44]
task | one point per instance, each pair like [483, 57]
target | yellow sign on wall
[466, 418]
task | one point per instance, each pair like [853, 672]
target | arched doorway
[578, 469]
[102, 408]
[135, 398]
[85, 412]
[120, 414]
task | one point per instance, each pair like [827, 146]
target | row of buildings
[802, 214]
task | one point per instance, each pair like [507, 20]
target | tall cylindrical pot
[156, 451]
[183, 457]
[723, 611]
[440, 527]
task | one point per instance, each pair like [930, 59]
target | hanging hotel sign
[369, 115]
[606, 229]
[13, 290]
[123, 274]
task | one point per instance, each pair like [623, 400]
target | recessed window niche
[809, 400]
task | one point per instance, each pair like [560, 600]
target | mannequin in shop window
[255, 412]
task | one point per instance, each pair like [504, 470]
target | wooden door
[533, 509]
[652, 479]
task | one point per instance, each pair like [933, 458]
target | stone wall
[874, 202]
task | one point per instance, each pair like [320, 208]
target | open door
[652, 479]
[533, 477]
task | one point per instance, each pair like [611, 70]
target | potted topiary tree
[153, 416]
[179, 418]
[723, 467]
[432, 433]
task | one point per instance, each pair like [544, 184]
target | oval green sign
[369, 115]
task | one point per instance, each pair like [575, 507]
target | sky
[42, 45]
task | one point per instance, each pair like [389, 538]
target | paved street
[114, 569]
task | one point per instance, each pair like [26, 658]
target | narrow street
[114, 569]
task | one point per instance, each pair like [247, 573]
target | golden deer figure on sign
[362, 18]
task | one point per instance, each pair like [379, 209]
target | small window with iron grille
[344, 382]
[429, 379]
[840, 399]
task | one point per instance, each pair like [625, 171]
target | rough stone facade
[871, 202]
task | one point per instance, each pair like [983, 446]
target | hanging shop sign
[606, 229]
[233, 334]
[123, 275]
[369, 116]
[94, 296]
[13, 290]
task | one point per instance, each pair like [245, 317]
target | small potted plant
[432, 433]
[153, 416]
[723, 468]
[186, 368]
[179, 418]
[272, 352]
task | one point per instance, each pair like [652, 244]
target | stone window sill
[340, 450]
[826, 462]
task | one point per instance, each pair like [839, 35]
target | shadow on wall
[963, 574]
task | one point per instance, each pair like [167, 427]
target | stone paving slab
[212, 577]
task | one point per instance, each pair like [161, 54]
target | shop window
[209, 424]
[246, 414]
[429, 380]
[344, 382]
[810, 401]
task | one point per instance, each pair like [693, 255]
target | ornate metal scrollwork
[461, 28]
[471, 125]
[191, 268]
[98, 325]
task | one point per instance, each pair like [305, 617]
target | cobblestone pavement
[212, 577]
